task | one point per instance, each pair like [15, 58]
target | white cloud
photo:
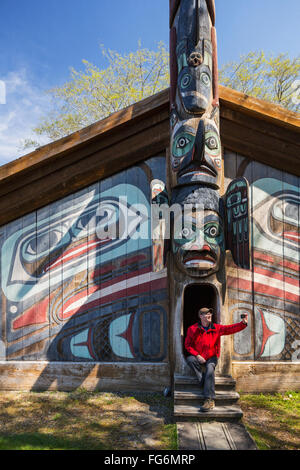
[25, 104]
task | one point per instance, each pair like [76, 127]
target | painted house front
[82, 300]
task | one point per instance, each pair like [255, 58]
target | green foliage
[268, 77]
[28, 143]
[92, 94]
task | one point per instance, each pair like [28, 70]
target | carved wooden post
[207, 223]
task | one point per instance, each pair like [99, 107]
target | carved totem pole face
[198, 240]
[199, 247]
[196, 152]
[194, 57]
[195, 80]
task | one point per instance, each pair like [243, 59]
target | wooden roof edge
[59, 147]
[228, 97]
[259, 108]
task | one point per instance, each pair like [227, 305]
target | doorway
[197, 296]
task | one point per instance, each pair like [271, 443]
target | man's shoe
[209, 404]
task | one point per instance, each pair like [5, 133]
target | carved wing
[237, 226]
[160, 241]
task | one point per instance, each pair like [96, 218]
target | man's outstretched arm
[235, 328]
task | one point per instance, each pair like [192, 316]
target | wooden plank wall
[270, 291]
[71, 294]
[66, 376]
[266, 377]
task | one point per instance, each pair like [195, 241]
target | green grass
[273, 420]
[43, 441]
[83, 420]
[169, 437]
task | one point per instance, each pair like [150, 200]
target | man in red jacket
[203, 343]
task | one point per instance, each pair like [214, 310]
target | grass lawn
[273, 420]
[84, 420]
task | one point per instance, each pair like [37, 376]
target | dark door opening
[195, 297]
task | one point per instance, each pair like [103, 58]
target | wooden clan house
[83, 309]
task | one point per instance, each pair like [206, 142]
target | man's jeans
[205, 374]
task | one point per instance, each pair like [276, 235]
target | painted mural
[77, 282]
[270, 291]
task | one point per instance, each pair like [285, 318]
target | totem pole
[199, 242]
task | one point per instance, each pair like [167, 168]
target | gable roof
[254, 128]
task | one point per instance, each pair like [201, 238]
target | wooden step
[213, 435]
[222, 382]
[219, 413]
[193, 396]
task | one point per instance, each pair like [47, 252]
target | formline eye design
[205, 78]
[185, 81]
[212, 230]
[182, 142]
[39, 245]
[212, 143]
[186, 232]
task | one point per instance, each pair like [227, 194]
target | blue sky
[41, 40]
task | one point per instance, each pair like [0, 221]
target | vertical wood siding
[270, 291]
[69, 295]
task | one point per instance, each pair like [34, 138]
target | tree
[93, 94]
[271, 78]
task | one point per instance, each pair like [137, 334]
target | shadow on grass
[267, 441]
[277, 420]
[161, 406]
[158, 404]
[40, 441]
[86, 420]
[285, 413]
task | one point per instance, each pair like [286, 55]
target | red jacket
[207, 343]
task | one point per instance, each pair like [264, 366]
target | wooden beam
[260, 136]
[258, 108]
[127, 117]
[260, 146]
[267, 127]
[82, 172]
[56, 162]
[67, 376]
[266, 377]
